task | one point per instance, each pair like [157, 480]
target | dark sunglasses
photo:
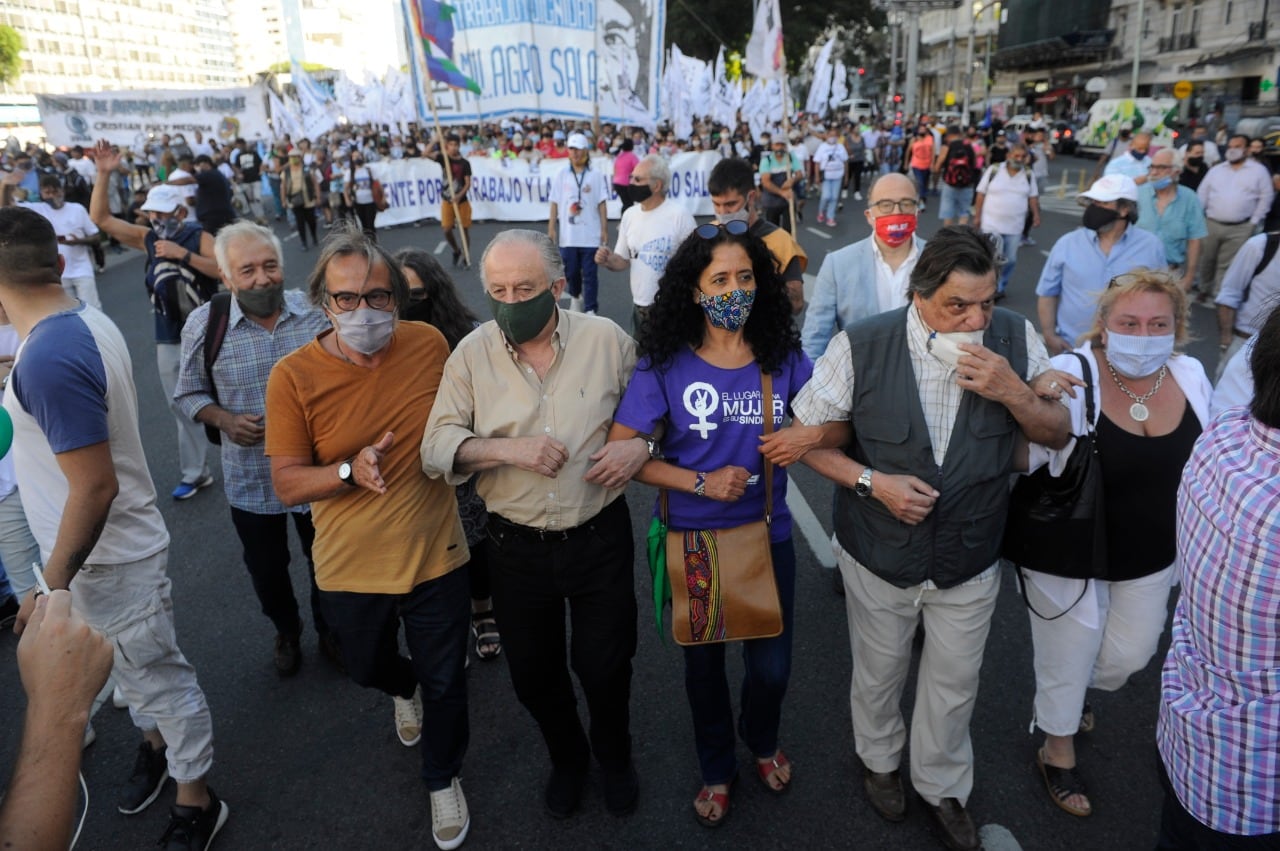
[711, 229]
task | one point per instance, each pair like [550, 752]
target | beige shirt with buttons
[487, 392]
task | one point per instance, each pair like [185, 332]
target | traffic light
[897, 98]
[861, 71]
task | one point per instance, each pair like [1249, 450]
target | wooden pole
[786, 134]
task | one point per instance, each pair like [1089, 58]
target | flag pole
[786, 131]
[448, 176]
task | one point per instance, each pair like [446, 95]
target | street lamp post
[978, 8]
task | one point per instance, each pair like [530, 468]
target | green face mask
[523, 320]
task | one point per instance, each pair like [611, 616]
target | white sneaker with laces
[450, 819]
[409, 718]
[576, 303]
[117, 699]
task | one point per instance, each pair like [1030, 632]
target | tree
[10, 54]
[699, 27]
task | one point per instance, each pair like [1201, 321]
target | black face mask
[641, 192]
[417, 311]
[1096, 218]
[1195, 162]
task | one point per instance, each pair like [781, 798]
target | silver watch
[863, 486]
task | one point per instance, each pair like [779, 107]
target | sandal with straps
[767, 768]
[485, 630]
[1062, 783]
[717, 799]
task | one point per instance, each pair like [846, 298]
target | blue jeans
[582, 275]
[767, 663]
[1009, 243]
[922, 181]
[830, 197]
[437, 626]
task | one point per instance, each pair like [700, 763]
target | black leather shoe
[958, 832]
[884, 791]
[564, 792]
[288, 655]
[621, 791]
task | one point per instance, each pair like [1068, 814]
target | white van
[1156, 116]
[860, 108]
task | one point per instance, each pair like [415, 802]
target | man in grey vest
[918, 520]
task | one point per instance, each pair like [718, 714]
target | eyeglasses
[1162, 168]
[710, 230]
[906, 205]
[377, 299]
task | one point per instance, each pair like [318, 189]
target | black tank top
[1140, 478]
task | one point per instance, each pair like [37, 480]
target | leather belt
[1229, 224]
[532, 532]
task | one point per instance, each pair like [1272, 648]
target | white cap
[164, 198]
[579, 141]
[1112, 187]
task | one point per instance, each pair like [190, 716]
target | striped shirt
[248, 353]
[1219, 727]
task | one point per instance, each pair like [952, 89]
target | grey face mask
[262, 301]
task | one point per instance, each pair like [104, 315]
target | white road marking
[293, 235]
[817, 232]
[804, 518]
[997, 837]
[1045, 253]
[441, 247]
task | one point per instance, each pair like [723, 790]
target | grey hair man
[525, 406]
[345, 414]
[229, 347]
[650, 232]
[1173, 213]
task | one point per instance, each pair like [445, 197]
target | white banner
[560, 59]
[514, 191]
[130, 117]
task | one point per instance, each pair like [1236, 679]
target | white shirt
[577, 197]
[648, 238]
[8, 478]
[891, 285]
[71, 220]
[831, 157]
[85, 168]
[1008, 196]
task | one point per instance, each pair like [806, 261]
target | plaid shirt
[1219, 728]
[248, 353]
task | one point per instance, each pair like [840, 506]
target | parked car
[1064, 137]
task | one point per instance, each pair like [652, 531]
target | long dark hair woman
[720, 319]
[434, 299]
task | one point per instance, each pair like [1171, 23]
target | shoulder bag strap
[766, 410]
[1088, 390]
[214, 333]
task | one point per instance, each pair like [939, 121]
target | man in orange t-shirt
[345, 415]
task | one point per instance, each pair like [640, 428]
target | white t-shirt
[891, 285]
[72, 387]
[648, 238]
[85, 168]
[1007, 199]
[362, 184]
[72, 220]
[831, 157]
[577, 198]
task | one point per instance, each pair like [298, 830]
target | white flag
[318, 111]
[755, 109]
[839, 85]
[764, 49]
[820, 87]
[726, 95]
[284, 119]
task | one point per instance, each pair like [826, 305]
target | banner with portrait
[555, 58]
[131, 117]
[514, 191]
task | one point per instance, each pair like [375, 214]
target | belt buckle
[553, 534]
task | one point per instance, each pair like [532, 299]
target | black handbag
[1056, 524]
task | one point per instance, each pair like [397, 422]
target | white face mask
[364, 329]
[945, 345]
[742, 215]
[1136, 356]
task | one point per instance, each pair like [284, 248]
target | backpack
[214, 333]
[75, 188]
[1268, 254]
[958, 171]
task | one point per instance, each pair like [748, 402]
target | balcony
[1258, 31]
[1186, 41]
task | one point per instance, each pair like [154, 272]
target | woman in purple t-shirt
[721, 316]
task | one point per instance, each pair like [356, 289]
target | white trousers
[882, 625]
[84, 288]
[1074, 654]
[130, 604]
[193, 446]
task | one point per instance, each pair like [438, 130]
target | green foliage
[10, 48]
[699, 27]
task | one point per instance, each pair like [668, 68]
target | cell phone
[39, 574]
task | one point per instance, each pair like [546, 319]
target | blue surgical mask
[1137, 355]
[1161, 183]
[729, 310]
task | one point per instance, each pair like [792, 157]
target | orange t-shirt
[922, 153]
[324, 408]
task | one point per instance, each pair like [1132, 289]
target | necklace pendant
[1139, 412]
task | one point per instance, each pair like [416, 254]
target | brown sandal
[1062, 783]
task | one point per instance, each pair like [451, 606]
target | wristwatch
[347, 473]
[651, 443]
[863, 486]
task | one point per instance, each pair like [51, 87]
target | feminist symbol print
[701, 400]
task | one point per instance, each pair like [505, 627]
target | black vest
[961, 536]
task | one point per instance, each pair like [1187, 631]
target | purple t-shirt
[713, 420]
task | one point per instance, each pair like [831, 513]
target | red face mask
[896, 229]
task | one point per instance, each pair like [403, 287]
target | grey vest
[961, 536]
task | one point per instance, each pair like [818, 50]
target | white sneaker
[576, 303]
[450, 819]
[90, 736]
[857, 196]
[409, 718]
[117, 699]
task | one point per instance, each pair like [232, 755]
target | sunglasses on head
[711, 229]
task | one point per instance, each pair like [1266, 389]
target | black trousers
[436, 615]
[265, 538]
[366, 213]
[305, 217]
[533, 577]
